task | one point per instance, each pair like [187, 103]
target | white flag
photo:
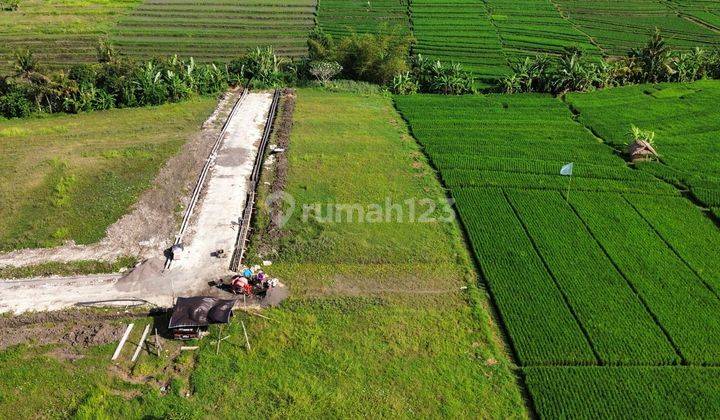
[567, 169]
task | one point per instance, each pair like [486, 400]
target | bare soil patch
[268, 236]
[72, 328]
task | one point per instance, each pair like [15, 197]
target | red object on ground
[247, 289]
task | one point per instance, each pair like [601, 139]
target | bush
[25, 62]
[373, 58]
[405, 84]
[83, 74]
[15, 105]
[260, 67]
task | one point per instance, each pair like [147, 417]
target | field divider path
[246, 218]
[220, 210]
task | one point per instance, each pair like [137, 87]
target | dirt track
[211, 228]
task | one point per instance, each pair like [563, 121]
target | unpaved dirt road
[213, 227]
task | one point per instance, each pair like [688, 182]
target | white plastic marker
[122, 341]
[567, 170]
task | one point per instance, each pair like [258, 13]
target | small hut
[641, 150]
[192, 314]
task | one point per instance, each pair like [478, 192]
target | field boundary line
[632, 286]
[672, 248]
[577, 28]
[503, 44]
[552, 275]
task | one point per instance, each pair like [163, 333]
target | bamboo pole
[247, 341]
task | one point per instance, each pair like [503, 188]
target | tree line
[574, 72]
[383, 58]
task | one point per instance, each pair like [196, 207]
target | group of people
[252, 281]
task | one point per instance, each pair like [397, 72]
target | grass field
[600, 277]
[49, 167]
[60, 32]
[377, 324]
[215, 30]
[341, 17]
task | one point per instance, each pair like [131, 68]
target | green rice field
[459, 32]
[618, 26]
[60, 32]
[595, 279]
[341, 17]
[215, 30]
[684, 118]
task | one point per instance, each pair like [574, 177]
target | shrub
[261, 66]
[25, 62]
[105, 51]
[15, 105]
[404, 84]
[10, 5]
[83, 74]
[375, 58]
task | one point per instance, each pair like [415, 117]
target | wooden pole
[247, 341]
[157, 343]
[122, 341]
[141, 342]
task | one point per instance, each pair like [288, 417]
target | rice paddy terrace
[483, 35]
[341, 17]
[487, 35]
[60, 32]
[215, 30]
[609, 284]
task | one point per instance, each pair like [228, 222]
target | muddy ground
[75, 329]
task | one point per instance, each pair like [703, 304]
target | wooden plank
[122, 341]
[141, 342]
